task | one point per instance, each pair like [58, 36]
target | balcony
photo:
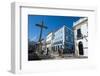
[79, 36]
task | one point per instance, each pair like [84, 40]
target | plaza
[59, 41]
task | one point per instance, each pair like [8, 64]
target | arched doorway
[80, 46]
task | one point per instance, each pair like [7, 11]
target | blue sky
[52, 22]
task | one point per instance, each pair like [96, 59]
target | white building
[44, 45]
[81, 37]
[59, 39]
[63, 38]
[49, 41]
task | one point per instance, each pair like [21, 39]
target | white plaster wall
[84, 30]
[85, 42]
[49, 39]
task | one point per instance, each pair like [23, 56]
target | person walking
[62, 52]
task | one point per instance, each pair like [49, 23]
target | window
[79, 35]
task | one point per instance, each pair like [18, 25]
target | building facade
[69, 40]
[59, 39]
[63, 38]
[49, 41]
[81, 37]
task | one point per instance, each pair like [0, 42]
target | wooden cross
[41, 29]
[41, 26]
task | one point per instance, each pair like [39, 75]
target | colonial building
[81, 37]
[59, 39]
[63, 38]
[69, 40]
[49, 41]
[43, 45]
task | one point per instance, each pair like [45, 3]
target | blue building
[63, 38]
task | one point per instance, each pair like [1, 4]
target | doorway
[80, 46]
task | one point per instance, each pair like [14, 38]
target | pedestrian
[47, 51]
[59, 52]
[62, 53]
